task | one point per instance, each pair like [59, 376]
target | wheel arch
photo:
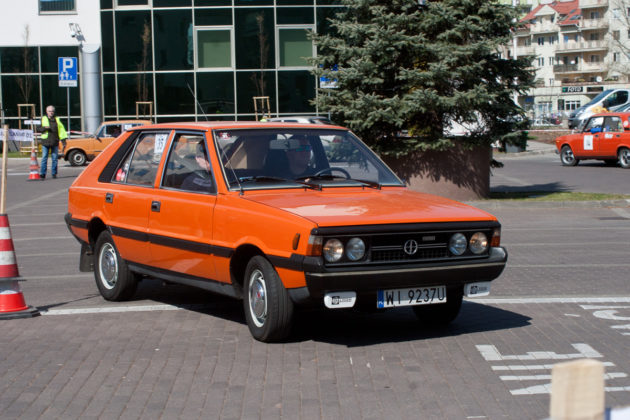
[238, 263]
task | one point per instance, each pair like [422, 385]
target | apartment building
[578, 51]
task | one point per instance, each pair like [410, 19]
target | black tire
[441, 313]
[624, 157]
[113, 278]
[77, 158]
[566, 156]
[268, 307]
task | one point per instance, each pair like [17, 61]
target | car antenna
[198, 104]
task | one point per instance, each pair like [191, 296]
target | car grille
[410, 247]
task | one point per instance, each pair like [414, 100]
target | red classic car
[604, 136]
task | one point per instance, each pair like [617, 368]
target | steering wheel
[331, 170]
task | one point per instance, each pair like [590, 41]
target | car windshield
[598, 98]
[298, 158]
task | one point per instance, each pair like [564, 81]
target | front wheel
[566, 156]
[268, 307]
[624, 157]
[441, 313]
[114, 280]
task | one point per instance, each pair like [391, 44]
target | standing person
[53, 131]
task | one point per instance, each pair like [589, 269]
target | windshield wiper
[265, 178]
[371, 184]
[261, 178]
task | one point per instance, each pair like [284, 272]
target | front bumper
[367, 281]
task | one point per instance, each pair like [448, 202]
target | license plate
[408, 297]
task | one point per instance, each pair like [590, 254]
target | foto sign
[67, 67]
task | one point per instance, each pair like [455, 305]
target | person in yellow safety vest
[53, 132]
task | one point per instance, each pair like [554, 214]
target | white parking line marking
[576, 299]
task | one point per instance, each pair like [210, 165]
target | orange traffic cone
[34, 168]
[12, 303]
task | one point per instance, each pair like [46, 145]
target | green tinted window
[215, 93]
[214, 48]
[294, 47]
[173, 35]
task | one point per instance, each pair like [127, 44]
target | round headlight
[457, 244]
[333, 250]
[478, 243]
[355, 249]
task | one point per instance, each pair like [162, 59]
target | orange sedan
[277, 215]
[604, 136]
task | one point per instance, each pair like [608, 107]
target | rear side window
[140, 165]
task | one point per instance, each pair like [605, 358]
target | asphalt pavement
[175, 352]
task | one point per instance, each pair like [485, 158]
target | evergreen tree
[400, 65]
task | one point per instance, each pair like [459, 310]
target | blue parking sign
[67, 67]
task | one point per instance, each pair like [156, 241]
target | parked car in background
[303, 119]
[263, 212]
[608, 100]
[80, 150]
[604, 136]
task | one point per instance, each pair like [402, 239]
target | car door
[180, 220]
[128, 197]
[590, 136]
[610, 137]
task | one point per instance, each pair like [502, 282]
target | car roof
[128, 122]
[225, 125]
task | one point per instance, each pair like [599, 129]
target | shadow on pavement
[346, 327]
[551, 187]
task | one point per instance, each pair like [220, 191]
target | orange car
[277, 215]
[79, 151]
[604, 136]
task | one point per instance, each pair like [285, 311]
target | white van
[607, 99]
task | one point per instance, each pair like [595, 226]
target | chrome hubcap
[108, 266]
[624, 157]
[258, 298]
[568, 156]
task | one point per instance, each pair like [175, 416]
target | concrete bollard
[577, 390]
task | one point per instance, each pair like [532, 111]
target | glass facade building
[191, 59]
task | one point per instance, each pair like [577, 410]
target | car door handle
[155, 206]
[109, 198]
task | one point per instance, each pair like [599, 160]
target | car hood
[367, 207]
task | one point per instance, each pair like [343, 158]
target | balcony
[582, 46]
[579, 68]
[594, 23]
[522, 51]
[588, 4]
[543, 28]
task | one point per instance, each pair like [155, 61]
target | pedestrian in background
[53, 132]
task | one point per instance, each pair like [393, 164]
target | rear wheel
[624, 157]
[268, 307]
[441, 313]
[77, 158]
[114, 280]
[566, 156]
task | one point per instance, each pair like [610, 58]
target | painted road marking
[491, 353]
[609, 312]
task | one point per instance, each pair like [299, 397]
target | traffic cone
[12, 303]
[34, 168]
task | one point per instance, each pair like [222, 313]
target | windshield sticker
[160, 142]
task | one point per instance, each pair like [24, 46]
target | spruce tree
[401, 65]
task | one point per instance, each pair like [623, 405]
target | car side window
[613, 124]
[596, 122]
[140, 166]
[112, 130]
[188, 167]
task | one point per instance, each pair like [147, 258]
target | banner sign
[18, 135]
